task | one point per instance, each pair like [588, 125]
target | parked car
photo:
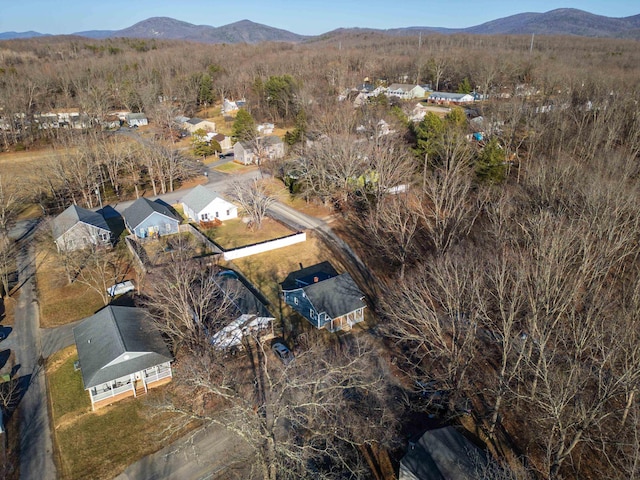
[282, 352]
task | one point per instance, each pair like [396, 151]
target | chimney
[315, 279]
[301, 267]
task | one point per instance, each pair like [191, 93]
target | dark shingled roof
[74, 214]
[112, 332]
[194, 121]
[139, 210]
[199, 197]
[443, 454]
[246, 299]
[337, 295]
[305, 276]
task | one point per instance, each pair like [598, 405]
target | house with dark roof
[204, 205]
[194, 124]
[443, 454]
[249, 307]
[77, 228]
[325, 298]
[121, 355]
[145, 218]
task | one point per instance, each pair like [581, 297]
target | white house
[204, 205]
[262, 148]
[446, 97]
[405, 91]
[136, 119]
[121, 355]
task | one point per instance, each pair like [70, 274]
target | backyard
[235, 233]
[112, 437]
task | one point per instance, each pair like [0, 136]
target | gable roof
[136, 116]
[306, 275]
[405, 87]
[194, 121]
[245, 298]
[199, 197]
[139, 210]
[74, 214]
[450, 96]
[442, 454]
[112, 332]
[336, 296]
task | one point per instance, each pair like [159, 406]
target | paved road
[36, 449]
[212, 453]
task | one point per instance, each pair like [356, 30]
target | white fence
[265, 246]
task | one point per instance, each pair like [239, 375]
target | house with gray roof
[194, 124]
[248, 306]
[324, 298]
[443, 454]
[258, 150]
[405, 91]
[145, 218]
[204, 205]
[136, 119]
[121, 355]
[77, 228]
[447, 97]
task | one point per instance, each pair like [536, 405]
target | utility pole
[420, 40]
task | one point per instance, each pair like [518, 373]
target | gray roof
[444, 454]
[336, 296]
[199, 197]
[112, 332]
[246, 299]
[140, 210]
[138, 116]
[74, 214]
[405, 87]
[306, 275]
[194, 121]
[449, 96]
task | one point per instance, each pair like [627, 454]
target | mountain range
[564, 21]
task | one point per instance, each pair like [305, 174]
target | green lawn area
[99, 445]
[234, 233]
[231, 167]
[61, 302]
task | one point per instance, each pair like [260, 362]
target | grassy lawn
[276, 188]
[111, 438]
[234, 233]
[267, 270]
[160, 250]
[232, 167]
[61, 302]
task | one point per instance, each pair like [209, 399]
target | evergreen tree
[490, 164]
[244, 127]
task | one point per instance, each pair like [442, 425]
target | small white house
[136, 119]
[446, 97]
[262, 148]
[204, 205]
[405, 91]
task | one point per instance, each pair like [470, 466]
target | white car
[121, 288]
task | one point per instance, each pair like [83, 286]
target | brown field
[61, 303]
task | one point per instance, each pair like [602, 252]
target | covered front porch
[132, 385]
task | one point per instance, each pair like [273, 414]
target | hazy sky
[307, 17]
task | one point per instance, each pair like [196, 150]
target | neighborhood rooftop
[115, 332]
[337, 295]
[74, 214]
[306, 275]
[199, 197]
[139, 210]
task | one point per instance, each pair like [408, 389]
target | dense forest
[504, 275]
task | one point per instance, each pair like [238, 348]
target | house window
[105, 237]
[167, 227]
[312, 314]
[204, 216]
[217, 215]
[228, 212]
[295, 300]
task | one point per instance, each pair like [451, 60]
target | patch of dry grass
[234, 233]
[100, 445]
[8, 309]
[61, 302]
[266, 270]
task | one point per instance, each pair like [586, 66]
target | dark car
[282, 352]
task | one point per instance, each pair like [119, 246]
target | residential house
[262, 148]
[324, 298]
[405, 91]
[136, 119]
[251, 313]
[222, 139]
[77, 228]
[145, 218]
[194, 124]
[204, 205]
[446, 97]
[228, 106]
[442, 454]
[121, 355]
[265, 128]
